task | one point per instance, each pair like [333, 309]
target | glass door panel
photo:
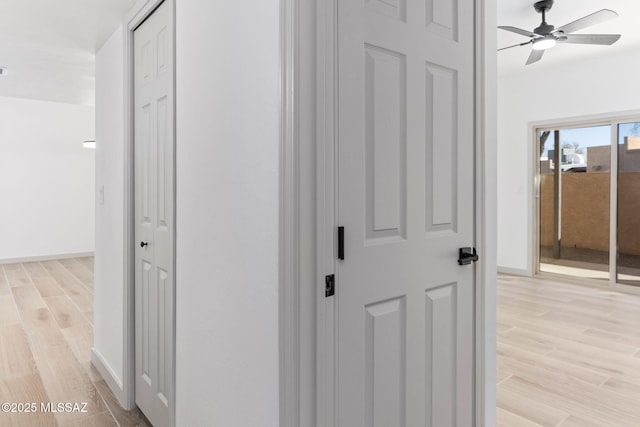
[628, 258]
[575, 169]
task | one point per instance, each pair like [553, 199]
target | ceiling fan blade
[605, 39]
[516, 45]
[587, 21]
[518, 31]
[535, 56]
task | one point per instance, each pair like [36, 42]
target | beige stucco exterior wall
[585, 211]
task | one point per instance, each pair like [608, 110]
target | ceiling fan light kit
[543, 43]
[546, 36]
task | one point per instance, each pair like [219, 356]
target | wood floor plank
[571, 342]
[509, 419]
[81, 295]
[536, 323]
[607, 337]
[43, 281]
[41, 329]
[629, 317]
[8, 311]
[575, 403]
[28, 388]
[82, 273]
[89, 316]
[4, 284]
[27, 297]
[528, 407]
[509, 355]
[103, 419]
[65, 380]
[64, 311]
[65, 279]
[522, 289]
[575, 421]
[503, 372]
[80, 339]
[16, 358]
[519, 311]
[16, 276]
[501, 327]
[624, 387]
[599, 361]
[83, 300]
[610, 325]
[578, 393]
[524, 340]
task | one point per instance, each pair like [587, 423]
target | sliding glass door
[628, 260]
[589, 201]
[574, 201]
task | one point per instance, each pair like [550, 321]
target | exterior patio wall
[585, 211]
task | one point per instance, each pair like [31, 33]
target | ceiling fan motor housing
[544, 29]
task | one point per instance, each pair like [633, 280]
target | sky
[590, 136]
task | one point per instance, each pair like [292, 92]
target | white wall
[46, 179]
[599, 85]
[227, 212]
[109, 261]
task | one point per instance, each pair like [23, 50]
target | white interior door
[154, 216]
[405, 308]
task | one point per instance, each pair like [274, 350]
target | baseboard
[45, 257]
[109, 376]
[514, 271]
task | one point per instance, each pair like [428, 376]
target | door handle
[467, 256]
[143, 244]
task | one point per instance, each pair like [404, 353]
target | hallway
[46, 334]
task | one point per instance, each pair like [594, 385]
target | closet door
[154, 216]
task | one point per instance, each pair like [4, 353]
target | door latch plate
[329, 285]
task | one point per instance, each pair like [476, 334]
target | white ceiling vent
[3, 71]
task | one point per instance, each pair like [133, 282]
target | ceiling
[520, 13]
[49, 46]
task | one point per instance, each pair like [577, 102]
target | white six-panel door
[154, 216]
[405, 328]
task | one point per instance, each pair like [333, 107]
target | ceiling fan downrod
[543, 7]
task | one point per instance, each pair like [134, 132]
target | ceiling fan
[546, 36]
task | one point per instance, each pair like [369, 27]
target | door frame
[307, 130]
[138, 13]
[308, 160]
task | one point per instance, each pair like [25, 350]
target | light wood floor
[46, 333]
[568, 356]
